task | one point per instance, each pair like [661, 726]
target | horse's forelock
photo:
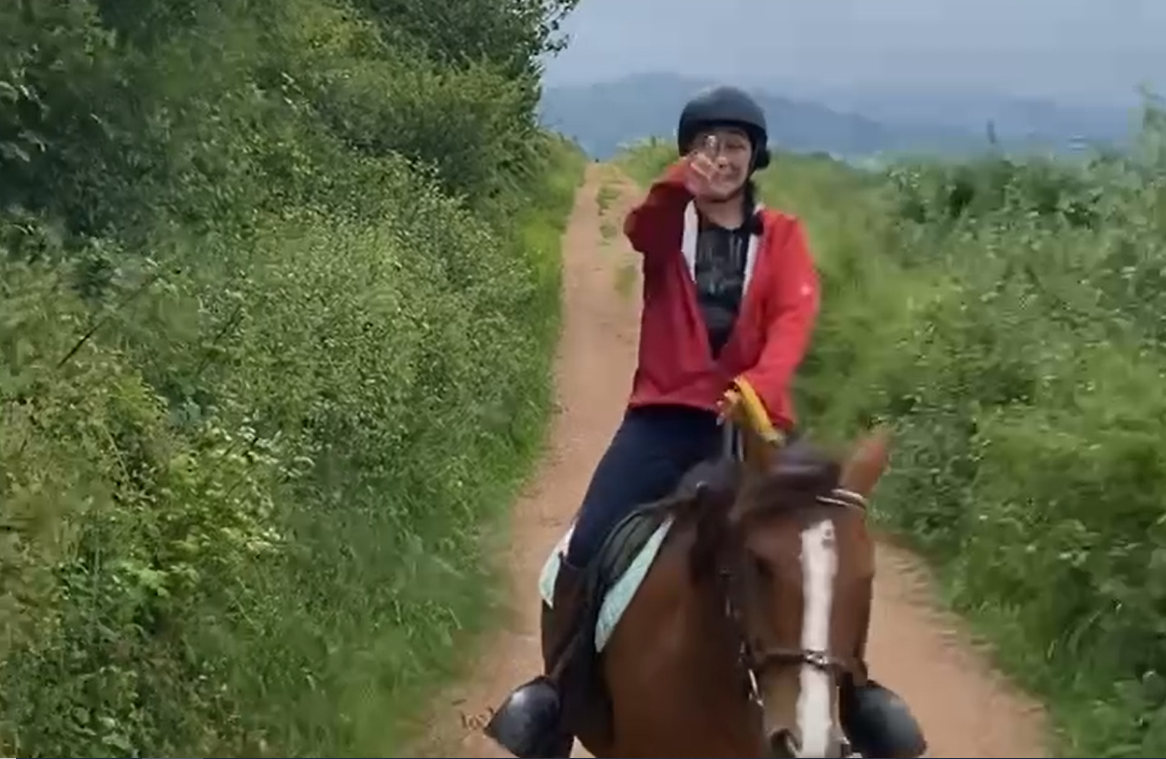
[721, 495]
[799, 474]
[801, 466]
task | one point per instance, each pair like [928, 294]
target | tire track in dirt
[965, 708]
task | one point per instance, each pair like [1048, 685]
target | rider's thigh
[645, 461]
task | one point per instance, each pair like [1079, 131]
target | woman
[730, 291]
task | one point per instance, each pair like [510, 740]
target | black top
[720, 278]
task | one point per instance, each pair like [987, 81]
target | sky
[1078, 51]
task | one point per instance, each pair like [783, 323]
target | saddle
[569, 627]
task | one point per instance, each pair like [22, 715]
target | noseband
[753, 662]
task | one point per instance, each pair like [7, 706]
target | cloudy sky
[1088, 51]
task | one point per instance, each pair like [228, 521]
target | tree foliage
[277, 298]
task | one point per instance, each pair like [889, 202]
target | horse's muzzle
[783, 744]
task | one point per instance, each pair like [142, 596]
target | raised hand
[705, 177]
[701, 174]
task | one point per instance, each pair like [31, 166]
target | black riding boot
[877, 722]
[528, 724]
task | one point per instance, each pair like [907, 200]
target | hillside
[607, 115]
[1016, 119]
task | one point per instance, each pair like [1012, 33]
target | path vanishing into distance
[966, 709]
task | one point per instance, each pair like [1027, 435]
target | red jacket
[777, 316]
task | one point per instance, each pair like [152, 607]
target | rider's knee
[581, 548]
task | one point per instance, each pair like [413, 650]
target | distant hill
[1016, 118]
[605, 115]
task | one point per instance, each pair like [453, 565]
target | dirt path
[965, 709]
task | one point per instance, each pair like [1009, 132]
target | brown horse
[745, 628]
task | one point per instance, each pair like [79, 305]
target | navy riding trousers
[654, 447]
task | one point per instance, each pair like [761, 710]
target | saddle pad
[619, 596]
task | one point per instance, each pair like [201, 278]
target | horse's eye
[760, 567]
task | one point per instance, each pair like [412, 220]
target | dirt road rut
[966, 710]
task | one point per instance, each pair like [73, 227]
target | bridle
[753, 663]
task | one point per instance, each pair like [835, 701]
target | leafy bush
[274, 356]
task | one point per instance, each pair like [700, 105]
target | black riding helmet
[725, 107]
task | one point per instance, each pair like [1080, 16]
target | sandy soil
[965, 708]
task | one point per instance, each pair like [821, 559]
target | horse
[726, 619]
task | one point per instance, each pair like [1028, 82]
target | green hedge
[277, 307]
[1007, 315]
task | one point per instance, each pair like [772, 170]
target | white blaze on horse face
[815, 712]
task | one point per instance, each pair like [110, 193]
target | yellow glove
[742, 405]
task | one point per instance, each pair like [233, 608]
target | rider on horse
[730, 291]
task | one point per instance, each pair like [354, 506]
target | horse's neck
[676, 650]
[703, 632]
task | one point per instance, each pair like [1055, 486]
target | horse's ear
[867, 462]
